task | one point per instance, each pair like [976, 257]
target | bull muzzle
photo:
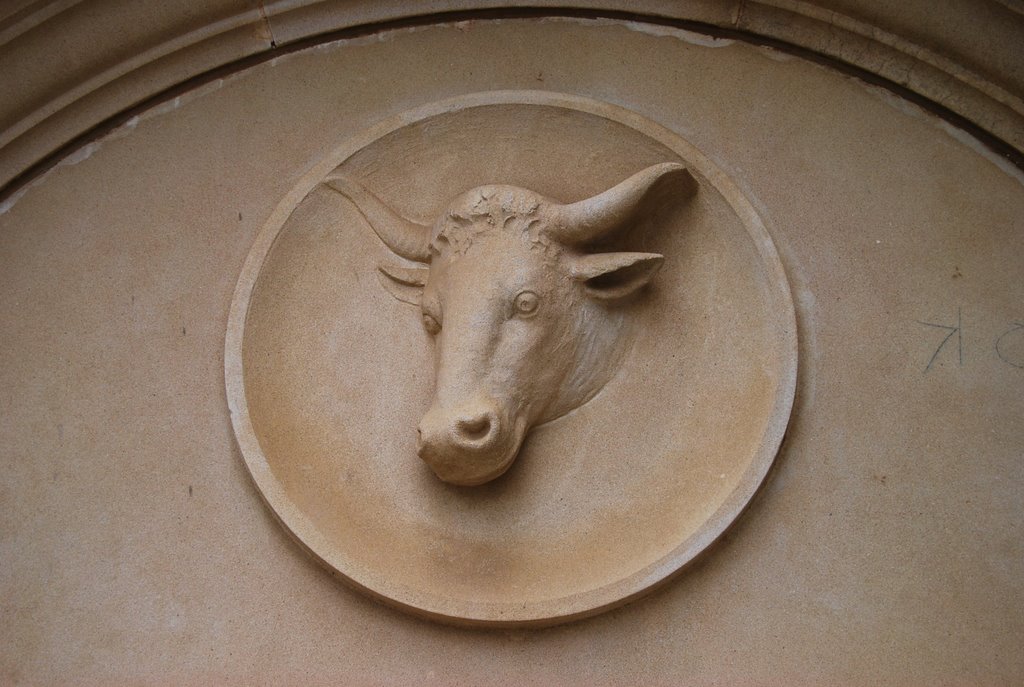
[469, 445]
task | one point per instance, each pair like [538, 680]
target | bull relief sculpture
[528, 320]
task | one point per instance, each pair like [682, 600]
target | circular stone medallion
[328, 375]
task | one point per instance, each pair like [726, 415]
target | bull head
[527, 323]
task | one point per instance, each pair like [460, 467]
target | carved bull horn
[590, 219]
[404, 237]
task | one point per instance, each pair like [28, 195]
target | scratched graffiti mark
[1008, 346]
[1006, 351]
[951, 331]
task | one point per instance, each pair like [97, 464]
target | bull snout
[469, 445]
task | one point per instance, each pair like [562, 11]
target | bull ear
[404, 283]
[609, 276]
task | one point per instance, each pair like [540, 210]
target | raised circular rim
[547, 611]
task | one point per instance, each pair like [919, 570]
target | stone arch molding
[527, 338]
[961, 60]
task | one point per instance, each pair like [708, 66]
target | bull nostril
[475, 428]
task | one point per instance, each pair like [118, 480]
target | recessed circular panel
[328, 375]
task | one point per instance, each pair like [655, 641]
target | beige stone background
[886, 547]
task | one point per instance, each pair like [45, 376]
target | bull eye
[526, 303]
[431, 324]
